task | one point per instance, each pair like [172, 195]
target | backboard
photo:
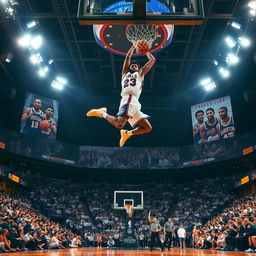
[135, 198]
[124, 12]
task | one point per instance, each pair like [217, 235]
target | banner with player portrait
[213, 120]
[40, 116]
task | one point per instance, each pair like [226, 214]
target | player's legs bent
[144, 127]
[117, 121]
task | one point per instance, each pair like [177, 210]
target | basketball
[44, 125]
[142, 46]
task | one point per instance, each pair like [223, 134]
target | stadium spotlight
[215, 62]
[252, 5]
[36, 58]
[31, 24]
[232, 59]
[61, 80]
[57, 85]
[50, 61]
[14, 2]
[42, 71]
[252, 12]
[243, 41]
[235, 25]
[8, 58]
[230, 42]
[224, 72]
[24, 41]
[205, 81]
[208, 84]
[9, 11]
[4, 1]
[36, 42]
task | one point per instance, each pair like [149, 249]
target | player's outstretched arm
[127, 60]
[149, 64]
[149, 217]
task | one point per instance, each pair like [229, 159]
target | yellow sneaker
[96, 112]
[124, 137]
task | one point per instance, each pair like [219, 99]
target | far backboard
[123, 12]
[135, 198]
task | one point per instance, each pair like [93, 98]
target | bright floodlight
[235, 25]
[252, 5]
[61, 80]
[9, 10]
[252, 12]
[245, 42]
[224, 72]
[208, 84]
[36, 42]
[42, 71]
[24, 41]
[205, 81]
[230, 42]
[215, 62]
[3, 1]
[8, 58]
[232, 59]
[36, 58]
[31, 24]
[50, 61]
[57, 85]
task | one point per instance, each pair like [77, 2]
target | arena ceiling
[94, 74]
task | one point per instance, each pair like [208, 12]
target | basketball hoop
[142, 36]
[128, 208]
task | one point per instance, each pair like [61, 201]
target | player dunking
[129, 110]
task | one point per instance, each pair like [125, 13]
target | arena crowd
[57, 213]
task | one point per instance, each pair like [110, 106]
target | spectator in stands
[4, 242]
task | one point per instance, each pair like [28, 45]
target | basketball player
[226, 126]
[155, 229]
[199, 115]
[48, 116]
[32, 117]
[168, 230]
[208, 130]
[129, 110]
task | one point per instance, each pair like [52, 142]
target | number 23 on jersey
[129, 82]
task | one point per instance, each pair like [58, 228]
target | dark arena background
[73, 184]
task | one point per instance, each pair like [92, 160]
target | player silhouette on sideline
[129, 109]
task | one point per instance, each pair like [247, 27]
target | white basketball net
[142, 32]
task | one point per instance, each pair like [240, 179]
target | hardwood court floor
[107, 252]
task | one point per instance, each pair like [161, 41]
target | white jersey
[132, 83]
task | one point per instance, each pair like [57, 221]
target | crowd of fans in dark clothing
[59, 213]
[130, 158]
[23, 228]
